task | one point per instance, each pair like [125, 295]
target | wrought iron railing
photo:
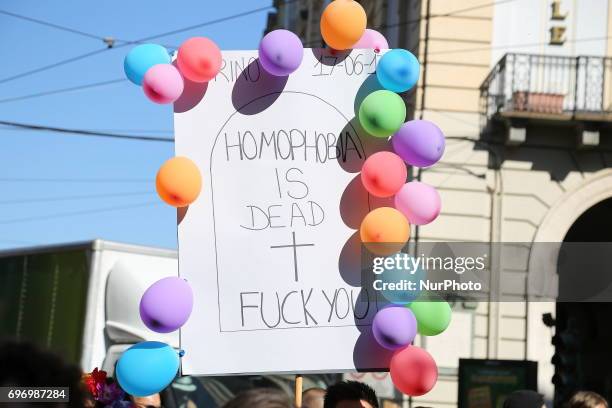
[527, 85]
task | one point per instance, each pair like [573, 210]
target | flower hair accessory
[105, 390]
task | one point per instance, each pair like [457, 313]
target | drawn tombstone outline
[319, 175]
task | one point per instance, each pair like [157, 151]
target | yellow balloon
[384, 231]
[178, 182]
[343, 22]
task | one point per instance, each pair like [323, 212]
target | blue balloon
[398, 70]
[141, 58]
[401, 274]
[147, 368]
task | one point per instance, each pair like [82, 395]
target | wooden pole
[298, 391]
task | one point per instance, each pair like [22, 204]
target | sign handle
[298, 391]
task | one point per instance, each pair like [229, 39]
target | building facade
[522, 90]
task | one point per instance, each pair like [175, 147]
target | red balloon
[413, 371]
[199, 59]
[383, 174]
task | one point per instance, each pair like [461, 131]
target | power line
[63, 90]
[52, 25]
[54, 65]
[118, 130]
[72, 180]
[83, 132]
[128, 42]
[77, 213]
[74, 197]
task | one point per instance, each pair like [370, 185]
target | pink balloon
[163, 83]
[419, 202]
[413, 371]
[383, 174]
[372, 39]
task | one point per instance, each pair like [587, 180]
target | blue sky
[62, 188]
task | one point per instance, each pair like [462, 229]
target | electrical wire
[53, 65]
[63, 90]
[52, 25]
[124, 42]
[78, 213]
[74, 197]
[83, 132]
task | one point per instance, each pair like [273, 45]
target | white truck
[81, 300]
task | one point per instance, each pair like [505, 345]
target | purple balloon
[394, 327]
[280, 52]
[166, 305]
[419, 142]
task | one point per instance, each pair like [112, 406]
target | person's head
[350, 394]
[26, 365]
[152, 401]
[524, 399]
[313, 398]
[260, 398]
[587, 399]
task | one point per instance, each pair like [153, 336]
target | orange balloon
[343, 22]
[384, 231]
[178, 182]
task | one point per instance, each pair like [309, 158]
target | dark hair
[25, 365]
[587, 399]
[349, 391]
[260, 398]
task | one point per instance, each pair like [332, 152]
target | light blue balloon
[400, 274]
[398, 70]
[141, 58]
[147, 368]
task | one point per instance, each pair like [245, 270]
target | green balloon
[382, 113]
[432, 317]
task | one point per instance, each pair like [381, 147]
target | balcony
[545, 87]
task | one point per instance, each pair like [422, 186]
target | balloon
[178, 182]
[400, 273]
[382, 113]
[141, 58]
[163, 83]
[393, 328]
[398, 70]
[419, 202]
[384, 231]
[419, 142]
[199, 59]
[383, 174]
[166, 305]
[342, 24]
[413, 371]
[147, 368]
[433, 317]
[372, 39]
[280, 52]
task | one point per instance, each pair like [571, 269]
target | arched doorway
[555, 226]
[583, 333]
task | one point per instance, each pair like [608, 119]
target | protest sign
[271, 247]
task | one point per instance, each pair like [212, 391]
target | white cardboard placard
[276, 225]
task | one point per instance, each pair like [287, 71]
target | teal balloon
[147, 368]
[398, 70]
[402, 274]
[382, 113]
[141, 58]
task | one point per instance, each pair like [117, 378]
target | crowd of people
[22, 364]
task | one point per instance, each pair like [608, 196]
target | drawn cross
[295, 247]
